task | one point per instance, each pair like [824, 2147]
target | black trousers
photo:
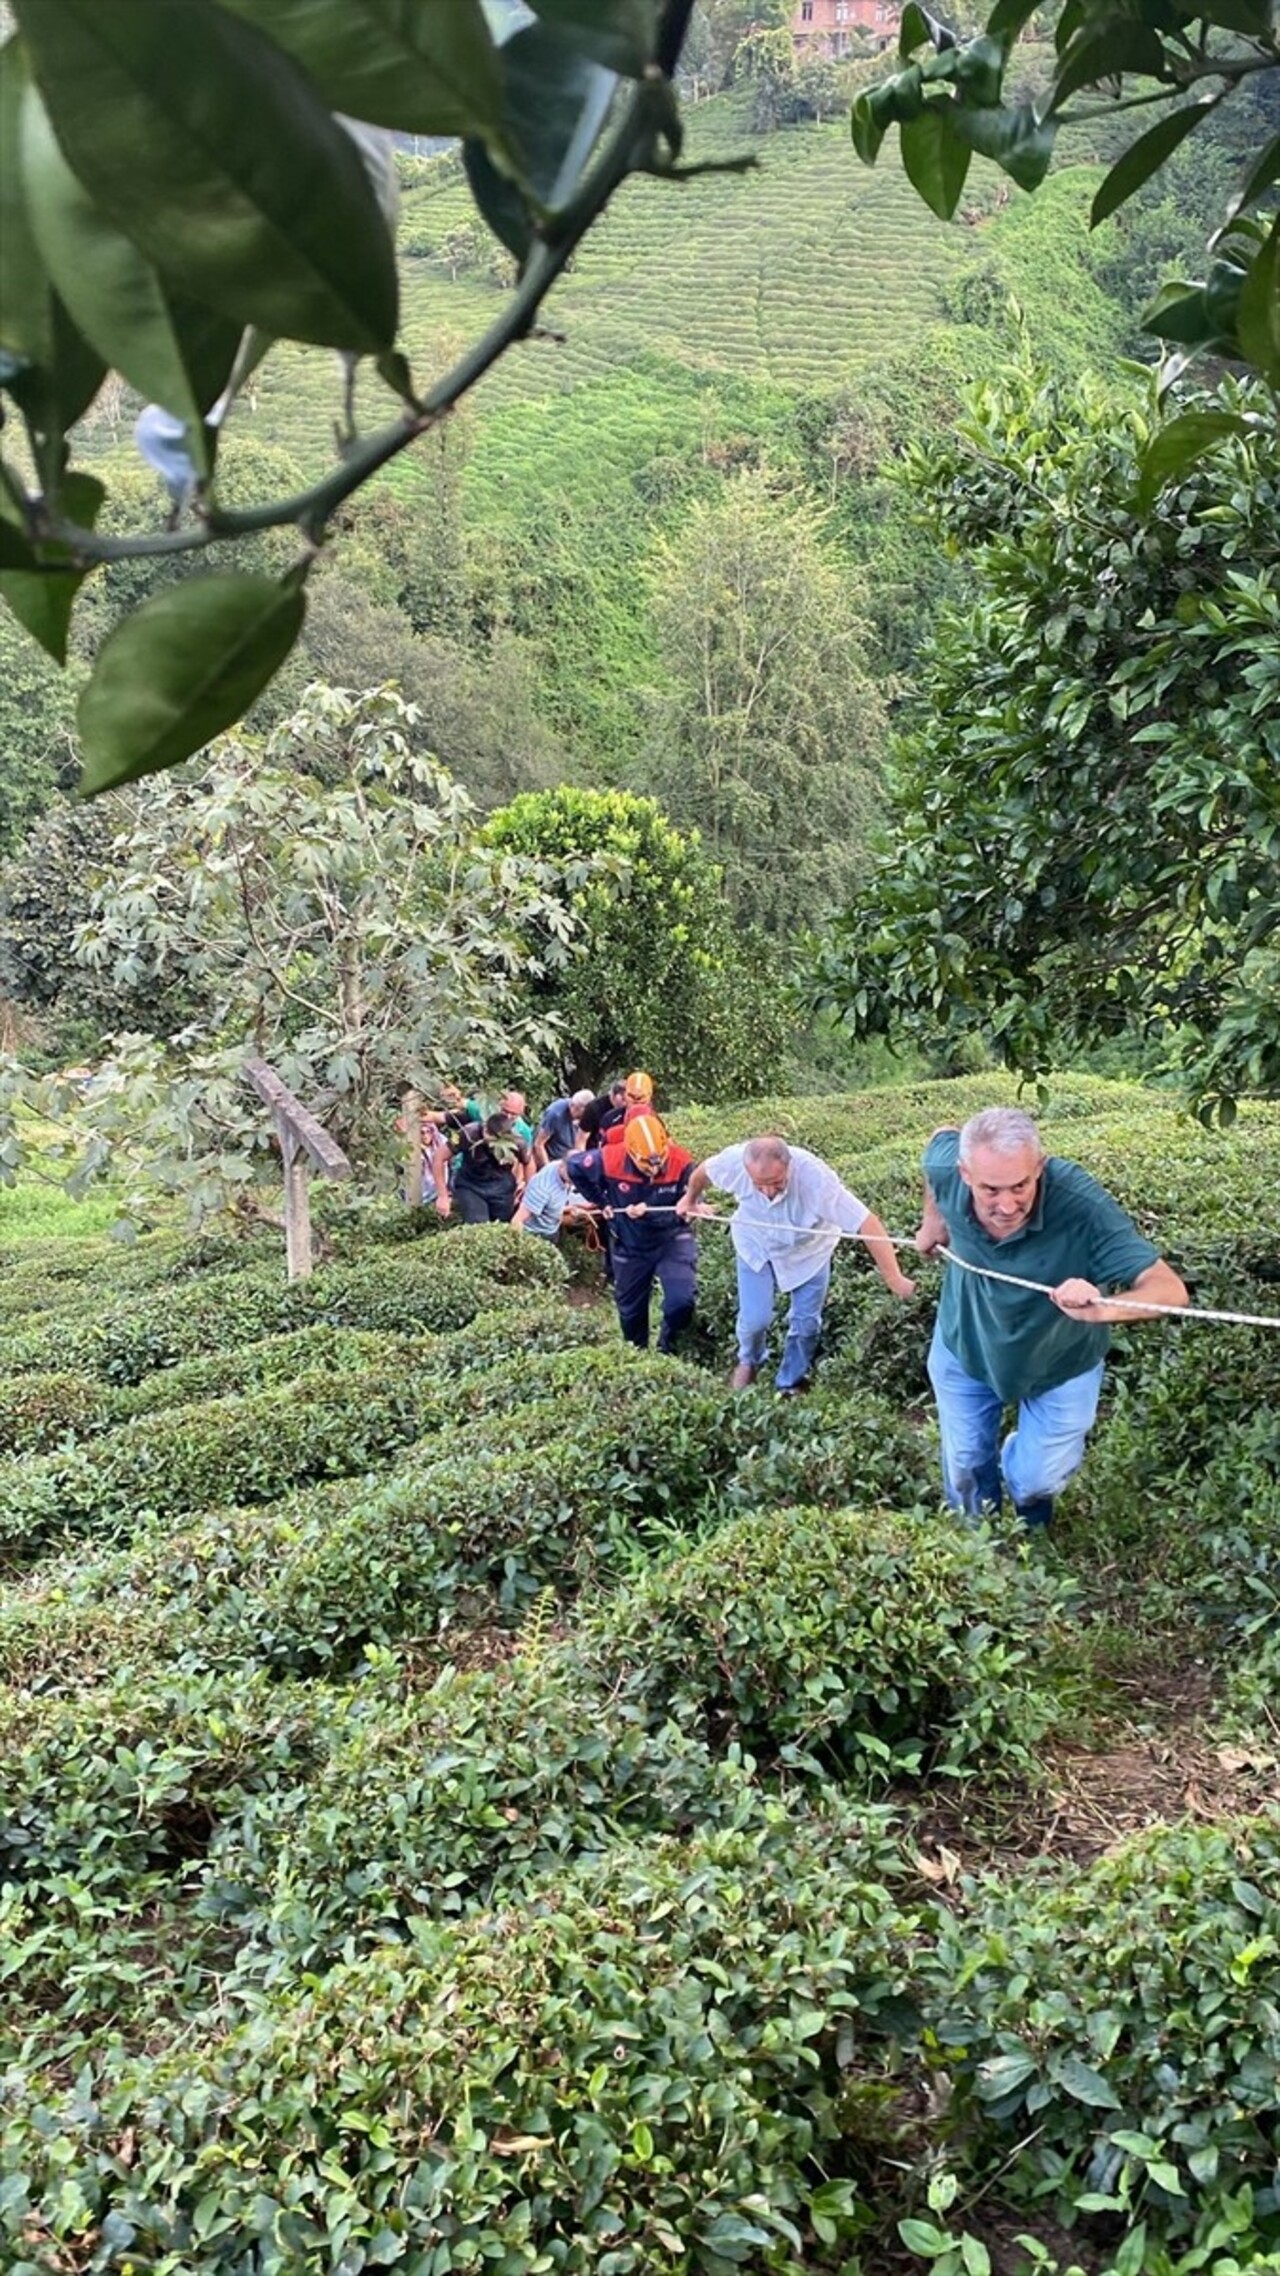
[675, 1268]
[484, 1204]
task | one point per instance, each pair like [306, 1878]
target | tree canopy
[660, 975]
[1086, 828]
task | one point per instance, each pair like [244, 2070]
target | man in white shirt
[792, 1210]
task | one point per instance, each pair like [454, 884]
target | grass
[38, 1212]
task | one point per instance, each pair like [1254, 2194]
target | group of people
[1041, 1261]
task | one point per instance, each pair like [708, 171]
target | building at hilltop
[827, 27]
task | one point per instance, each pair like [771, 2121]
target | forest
[539, 541]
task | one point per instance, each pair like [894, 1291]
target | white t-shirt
[798, 1232]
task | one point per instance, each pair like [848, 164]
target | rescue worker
[636, 1178]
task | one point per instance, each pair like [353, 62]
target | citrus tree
[1086, 834]
[1181, 59]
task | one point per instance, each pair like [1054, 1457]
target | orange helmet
[647, 1144]
[639, 1088]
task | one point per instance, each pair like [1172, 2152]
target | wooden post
[303, 1140]
[412, 1110]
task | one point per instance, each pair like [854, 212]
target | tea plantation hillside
[477, 1798]
[790, 279]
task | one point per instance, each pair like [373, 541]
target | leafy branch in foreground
[1190, 54]
[175, 198]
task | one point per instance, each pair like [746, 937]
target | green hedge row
[641, 2067]
[1113, 2037]
[452, 1798]
[545, 1475]
[697, 2052]
[248, 1449]
[391, 1293]
[879, 1645]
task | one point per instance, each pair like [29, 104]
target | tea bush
[134, 1775]
[1120, 2027]
[253, 1448]
[441, 1801]
[443, 1289]
[641, 2064]
[885, 1645]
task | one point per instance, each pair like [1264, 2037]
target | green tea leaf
[1258, 315]
[181, 669]
[209, 148]
[1020, 142]
[24, 286]
[1178, 445]
[936, 161]
[1143, 157]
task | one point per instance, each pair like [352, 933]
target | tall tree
[769, 729]
[1087, 815]
[659, 975]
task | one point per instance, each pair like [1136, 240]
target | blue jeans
[757, 1295]
[1044, 1449]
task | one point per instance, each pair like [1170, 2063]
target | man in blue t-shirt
[995, 1199]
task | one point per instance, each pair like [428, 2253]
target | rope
[704, 1216]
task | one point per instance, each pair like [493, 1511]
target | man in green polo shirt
[993, 1197]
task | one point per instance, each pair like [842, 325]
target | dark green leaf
[552, 92]
[935, 160]
[213, 153]
[24, 287]
[501, 203]
[1020, 142]
[867, 128]
[980, 70]
[1083, 2083]
[918, 26]
[15, 551]
[1007, 19]
[42, 596]
[1258, 315]
[394, 370]
[411, 64]
[1198, 315]
[171, 351]
[1004, 2074]
[53, 394]
[1142, 158]
[1175, 447]
[181, 669]
[622, 34]
[1107, 51]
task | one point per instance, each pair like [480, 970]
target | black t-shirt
[601, 1115]
[484, 1161]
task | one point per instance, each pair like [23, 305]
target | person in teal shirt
[994, 1198]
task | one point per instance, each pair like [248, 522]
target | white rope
[1131, 1303]
[703, 1216]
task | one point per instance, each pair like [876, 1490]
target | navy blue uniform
[645, 1249]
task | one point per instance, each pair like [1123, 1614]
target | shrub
[445, 1289]
[887, 1645]
[132, 1776]
[1124, 2021]
[640, 2068]
[435, 1803]
[254, 1448]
